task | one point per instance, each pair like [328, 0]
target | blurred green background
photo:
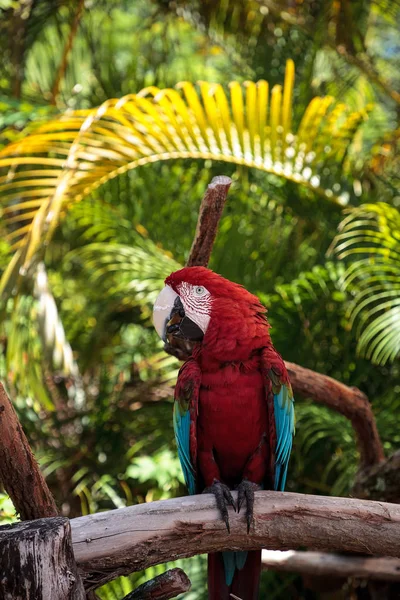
[318, 239]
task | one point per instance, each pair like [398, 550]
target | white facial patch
[196, 300]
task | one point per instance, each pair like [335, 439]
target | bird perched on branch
[233, 409]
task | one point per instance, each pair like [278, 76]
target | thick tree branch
[118, 542]
[332, 565]
[348, 401]
[19, 471]
[168, 585]
[210, 213]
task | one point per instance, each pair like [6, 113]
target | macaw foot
[223, 497]
[246, 491]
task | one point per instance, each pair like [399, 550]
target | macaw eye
[199, 290]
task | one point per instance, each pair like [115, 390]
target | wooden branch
[118, 542]
[168, 585]
[336, 565]
[37, 561]
[210, 213]
[19, 471]
[349, 401]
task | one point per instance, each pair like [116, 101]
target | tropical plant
[369, 237]
[85, 150]
[99, 203]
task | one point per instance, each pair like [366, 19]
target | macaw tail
[235, 573]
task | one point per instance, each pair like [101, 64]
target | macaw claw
[246, 491]
[223, 497]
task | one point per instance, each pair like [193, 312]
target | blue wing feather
[182, 436]
[284, 423]
[185, 415]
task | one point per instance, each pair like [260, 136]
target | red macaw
[233, 409]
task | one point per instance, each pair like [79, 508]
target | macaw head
[198, 307]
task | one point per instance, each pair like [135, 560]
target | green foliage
[7, 511]
[94, 241]
[370, 237]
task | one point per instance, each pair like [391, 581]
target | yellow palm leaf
[66, 159]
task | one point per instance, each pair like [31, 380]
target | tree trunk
[37, 562]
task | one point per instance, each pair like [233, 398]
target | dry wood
[210, 213]
[37, 561]
[19, 471]
[349, 401]
[168, 585]
[338, 565]
[131, 539]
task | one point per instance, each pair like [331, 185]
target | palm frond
[135, 273]
[52, 333]
[36, 343]
[321, 432]
[70, 157]
[116, 257]
[24, 360]
[369, 239]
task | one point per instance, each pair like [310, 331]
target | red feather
[232, 435]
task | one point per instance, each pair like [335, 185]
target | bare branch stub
[210, 212]
[349, 401]
[19, 471]
[167, 585]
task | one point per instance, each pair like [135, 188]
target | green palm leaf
[117, 258]
[70, 157]
[370, 238]
[134, 273]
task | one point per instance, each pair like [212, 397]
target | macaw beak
[162, 310]
[170, 321]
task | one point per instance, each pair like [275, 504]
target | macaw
[233, 408]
